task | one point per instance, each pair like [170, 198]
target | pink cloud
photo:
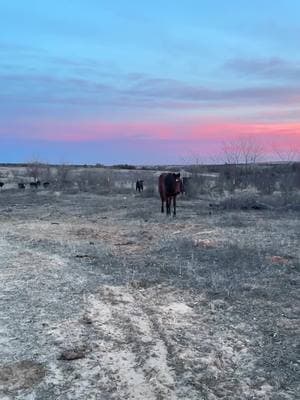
[200, 136]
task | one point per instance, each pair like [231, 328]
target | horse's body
[169, 186]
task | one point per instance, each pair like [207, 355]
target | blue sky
[142, 82]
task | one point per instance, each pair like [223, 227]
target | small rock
[72, 354]
[87, 320]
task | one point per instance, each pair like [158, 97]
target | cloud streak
[266, 68]
[147, 93]
[97, 130]
[140, 142]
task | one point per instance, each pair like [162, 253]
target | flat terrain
[102, 297]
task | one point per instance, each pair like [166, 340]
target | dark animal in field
[34, 184]
[21, 185]
[186, 184]
[1, 184]
[46, 184]
[139, 186]
[169, 186]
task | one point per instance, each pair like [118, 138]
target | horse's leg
[174, 205]
[162, 206]
[168, 205]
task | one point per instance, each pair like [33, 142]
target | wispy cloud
[143, 93]
[268, 68]
[98, 84]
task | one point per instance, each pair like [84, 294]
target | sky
[147, 82]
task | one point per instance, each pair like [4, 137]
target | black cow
[139, 185]
[21, 185]
[169, 186]
[1, 185]
[46, 184]
[34, 184]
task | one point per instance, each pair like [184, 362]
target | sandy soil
[102, 297]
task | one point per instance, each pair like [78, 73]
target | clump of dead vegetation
[250, 201]
[234, 178]
[243, 201]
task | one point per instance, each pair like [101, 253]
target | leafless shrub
[250, 201]
[290, 154]
[94, 181]
[149, 191]
[36, 170]
[196, 185]
[63, 178]
[46, 173]
[104, 183]
[287, 200]
[244, 201]
[240, 155]
[228, 178]
[265, 183]
[290, 181]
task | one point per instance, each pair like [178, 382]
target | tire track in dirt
[126, 357]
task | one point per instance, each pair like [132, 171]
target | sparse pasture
[104, 297]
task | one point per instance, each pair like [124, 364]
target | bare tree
[231, 153]
[290, 154]
[34, 169]
[239, 155]
[251, 150]
[243, 150]
[63, 175]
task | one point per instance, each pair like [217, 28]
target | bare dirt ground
[102, 297]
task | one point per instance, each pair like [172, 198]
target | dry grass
[198, 306]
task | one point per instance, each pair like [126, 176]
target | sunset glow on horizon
[147, 83]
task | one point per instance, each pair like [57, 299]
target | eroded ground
[102, 297]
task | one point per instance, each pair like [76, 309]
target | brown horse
[169, 186]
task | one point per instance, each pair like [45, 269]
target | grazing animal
[1, 184]
[21, 185]
[46, 184]
[139, 186]
[169, 186]
[34, 185]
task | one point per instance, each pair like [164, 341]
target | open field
[102, 297]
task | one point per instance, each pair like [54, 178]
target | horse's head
[178, 184]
